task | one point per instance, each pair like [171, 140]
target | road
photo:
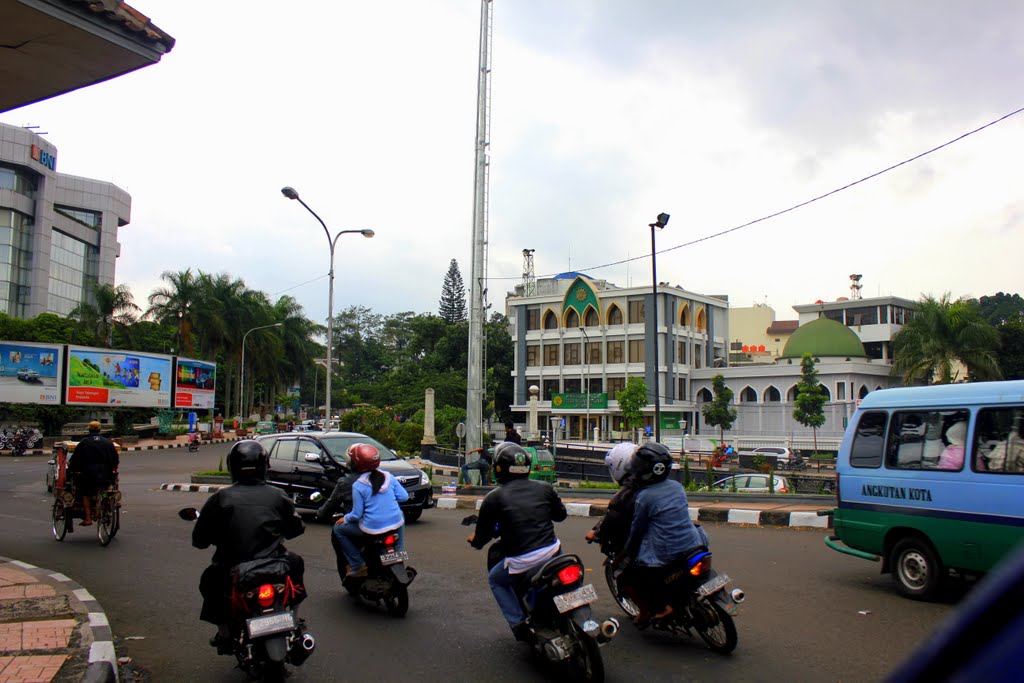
[811, 614]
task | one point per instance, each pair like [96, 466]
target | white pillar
[429, 438]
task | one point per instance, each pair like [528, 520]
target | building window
[15, 262]
[841, 391]
[615, 385]
[594, 385]
[90, 219]
[836, 315]
[698, 356]
[572, 354]
[550, 389]
[572, 385]
[532, 355]
[637, 310]
[868, 315]
[748, 395]
[772, 395]
[682, 389]
[550, 321]
[681, 352]
[615, 352]
[684, 316]
[702, 320]
[550, 354]
[590, 318]
[636, 350]
[594, 352]
[532, 319]
[572, 319]
[17, 180]
[614, 315]
[74, 267]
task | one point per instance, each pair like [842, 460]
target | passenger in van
[952, 457]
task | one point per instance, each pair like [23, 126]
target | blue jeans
[480, 465]
[347, 535]
[503, 587]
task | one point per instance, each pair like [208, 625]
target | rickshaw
[67, 506]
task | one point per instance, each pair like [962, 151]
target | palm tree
[941, 335]
[111, 307]
[177, 304]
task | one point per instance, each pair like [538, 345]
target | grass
[213, 473]
[598, 485]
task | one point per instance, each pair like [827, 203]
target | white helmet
[618, 459]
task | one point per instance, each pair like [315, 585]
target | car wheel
[916, 569]
[413, 515]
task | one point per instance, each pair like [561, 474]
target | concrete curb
[193, 488]
[128, 449]
[97, 637]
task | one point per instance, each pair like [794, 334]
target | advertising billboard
[194, 384]
[30, 373]
[118, 378]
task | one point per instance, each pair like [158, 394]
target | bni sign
[45, 158]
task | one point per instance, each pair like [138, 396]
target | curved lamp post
[661, 222]
[290, 193]
[241, 373]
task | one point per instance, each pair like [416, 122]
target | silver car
[751, 483]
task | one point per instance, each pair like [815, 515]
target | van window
[285, 450]
[999, 441]
[869, 440]
[544, 456]
[927, 439]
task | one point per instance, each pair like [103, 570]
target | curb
[125, 449]
[194, 488]
[102, 660]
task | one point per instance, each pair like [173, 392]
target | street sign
[460, 430]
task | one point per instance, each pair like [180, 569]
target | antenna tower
[855, 287]
[529, 276]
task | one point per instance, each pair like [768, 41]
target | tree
[1000, 307]
[112, 307]
[810, 399]
[941, 335]
[632, 400]
[453, 296]
[1011, 356]
[717, 411]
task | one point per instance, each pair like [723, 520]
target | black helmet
[247, 460]
[651, 463]
[511, 461]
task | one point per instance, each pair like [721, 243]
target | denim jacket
[662, 530]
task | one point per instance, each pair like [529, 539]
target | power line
[301, 284]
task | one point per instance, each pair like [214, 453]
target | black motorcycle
[265, 633]
[697, 595]
[557, 604]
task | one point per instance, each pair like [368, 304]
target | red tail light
[266, 595]
[782, 489]
[701, 567]
[390, 539]
[569, 575]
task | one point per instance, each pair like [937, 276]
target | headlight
[424, 479]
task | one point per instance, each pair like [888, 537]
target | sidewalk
[51, 629]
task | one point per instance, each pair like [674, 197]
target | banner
[30, 373]
[194, 384]
[117, 378]
[578, 401]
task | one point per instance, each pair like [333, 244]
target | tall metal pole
[585, 359]
[478, 274]
[660, 223]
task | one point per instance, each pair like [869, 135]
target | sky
[604, 114]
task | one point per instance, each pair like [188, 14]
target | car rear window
[544, 456]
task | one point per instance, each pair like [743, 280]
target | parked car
[302, 463]
[781, 453]
[751, 483]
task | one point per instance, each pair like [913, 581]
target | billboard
[194, 384]
[30, 373]
[117, 378]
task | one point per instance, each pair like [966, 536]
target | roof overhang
[50, 47]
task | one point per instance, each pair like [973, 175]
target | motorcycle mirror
[316, 497]
[470, 520]
[188, 514]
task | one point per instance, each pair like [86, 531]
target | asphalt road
[811, 614]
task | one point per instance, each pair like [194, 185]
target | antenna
[529, 276]
[855, 287]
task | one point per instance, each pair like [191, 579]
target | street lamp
[661, 222]
[241, 373]
[290, 193]
[586, 341]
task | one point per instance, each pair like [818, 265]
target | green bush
[598, 485]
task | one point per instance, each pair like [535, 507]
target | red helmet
[363, 457]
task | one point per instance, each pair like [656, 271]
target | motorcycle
[19, 440]
[557, 605]
[265, 633]
[193, 442]
[387, 576]
[697, 595]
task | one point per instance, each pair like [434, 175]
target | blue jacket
[662, 530]
[377, 512]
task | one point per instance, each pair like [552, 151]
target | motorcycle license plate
[388, 559]
[714, 584]
[577, 598]
[270, 624]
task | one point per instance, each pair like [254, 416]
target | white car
[781, 453]
[751, 483]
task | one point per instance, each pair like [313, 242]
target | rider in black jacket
[245, 521]
[522, 512]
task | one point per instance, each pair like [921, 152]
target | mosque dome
[824, 337]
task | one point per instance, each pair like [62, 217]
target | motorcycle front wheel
[585, 664]
[716, 627]
[627, 605]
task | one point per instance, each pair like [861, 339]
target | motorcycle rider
[523, 512]
[93, 465]
[612, 529]
[661, 532]
[245, 521]
[376, 495]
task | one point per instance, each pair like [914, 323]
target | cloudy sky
[605, 113]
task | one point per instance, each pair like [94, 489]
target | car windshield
[338, 444]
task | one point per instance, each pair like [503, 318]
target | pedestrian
[511, 434]
[483, 464]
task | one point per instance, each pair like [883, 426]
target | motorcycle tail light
[390, 539]
[701, 567]
[569, 575]
[266, 595]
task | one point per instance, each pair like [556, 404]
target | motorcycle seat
[552, 567]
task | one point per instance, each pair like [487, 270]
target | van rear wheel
[916, 569]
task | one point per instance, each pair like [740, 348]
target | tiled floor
[20, 636]
[30, 668]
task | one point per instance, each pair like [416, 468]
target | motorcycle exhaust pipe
[609, 628]
[738, 595]
[301, 652]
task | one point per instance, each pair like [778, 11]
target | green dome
[824, 337]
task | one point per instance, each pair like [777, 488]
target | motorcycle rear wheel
[586, 664]
[397, 601]
[627, 605]
[720, 632]
[60, 521]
